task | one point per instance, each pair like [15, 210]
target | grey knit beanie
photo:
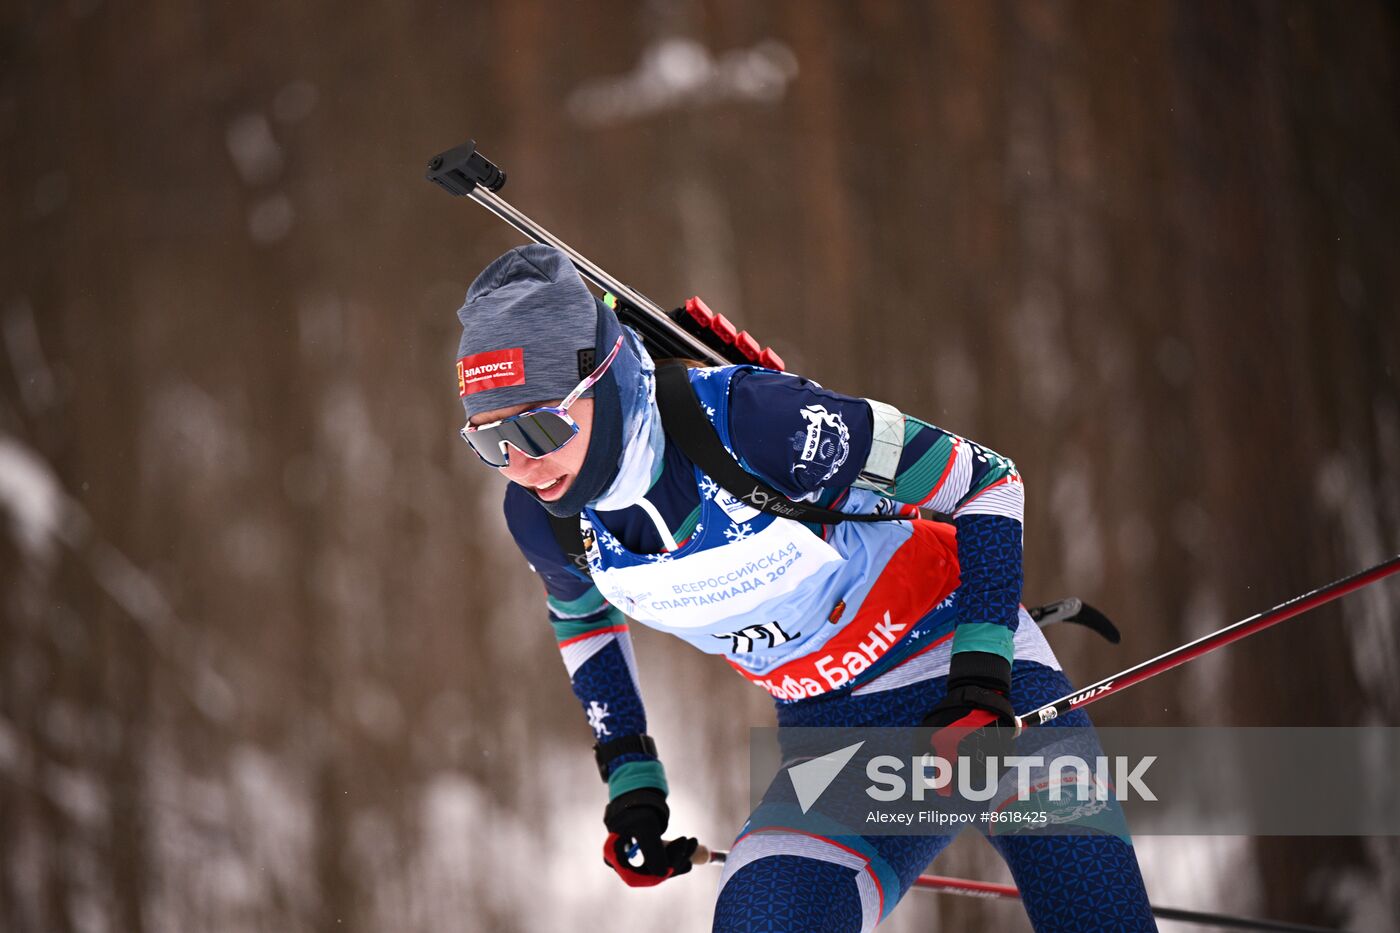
[528, 331]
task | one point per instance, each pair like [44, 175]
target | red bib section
[921, 574]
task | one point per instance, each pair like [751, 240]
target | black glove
[641, 816]
[974, 719]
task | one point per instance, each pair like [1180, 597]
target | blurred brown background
[269, 661]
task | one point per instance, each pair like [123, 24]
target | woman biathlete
[890, 623]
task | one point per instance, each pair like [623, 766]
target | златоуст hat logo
[490, 370]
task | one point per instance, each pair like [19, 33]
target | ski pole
[1208, 643]
[970, 888]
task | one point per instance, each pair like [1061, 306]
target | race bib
[707, 587]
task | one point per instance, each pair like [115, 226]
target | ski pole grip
[701, 855]
[457, 171]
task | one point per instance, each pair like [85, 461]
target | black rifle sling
[686, 424]
[570, 538]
